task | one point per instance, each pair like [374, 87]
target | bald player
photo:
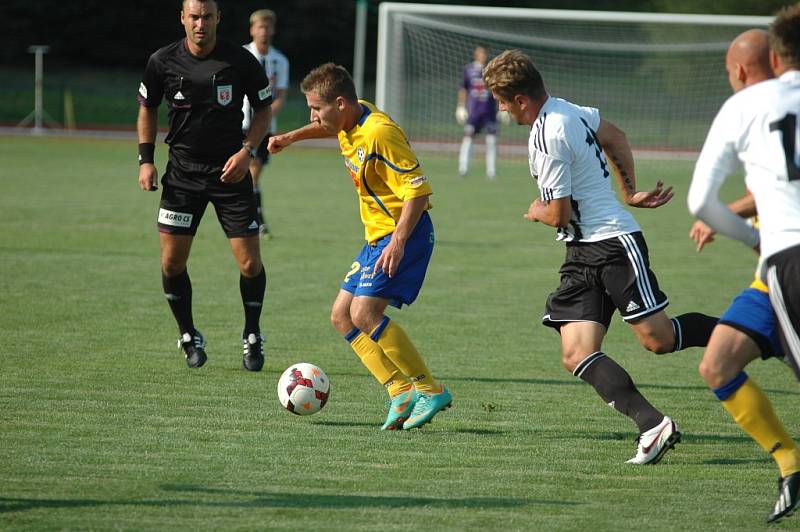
[747, 63]
[747, 330]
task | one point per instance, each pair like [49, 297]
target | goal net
[659, 77]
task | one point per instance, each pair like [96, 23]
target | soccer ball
[303, 389]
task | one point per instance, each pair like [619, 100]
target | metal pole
[38, 94]
[38, 107]
[359, 52]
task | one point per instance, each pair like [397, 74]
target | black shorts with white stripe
[783, 272]
[598, 278]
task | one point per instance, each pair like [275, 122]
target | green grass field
[104, 427]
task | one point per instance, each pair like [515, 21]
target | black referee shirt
[205, 98]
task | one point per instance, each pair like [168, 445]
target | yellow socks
[753, 411]
[399, 349]
[373, 357]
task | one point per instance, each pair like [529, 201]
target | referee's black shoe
[194, 348]
[788, 497]
[253, 347]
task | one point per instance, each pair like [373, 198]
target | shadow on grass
[311, 500]
[578, 382]
[497, 380]
[354, 424]
[344, 424]
[587, 435]
[248, 499]
[715, 438]
[690, 438]
[732, 461]
[480, 432]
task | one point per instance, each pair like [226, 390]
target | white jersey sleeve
[552, 170]
[247, 110]
[278, 73]
[717, 160]
[278, 69]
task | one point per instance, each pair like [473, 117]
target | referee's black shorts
[598, 278]
[186, 193]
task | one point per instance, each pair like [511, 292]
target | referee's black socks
[692, 330]
[178, 291]
[252, 290]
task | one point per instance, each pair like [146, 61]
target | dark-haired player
[204, 82]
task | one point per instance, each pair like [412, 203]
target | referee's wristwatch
[250, 149]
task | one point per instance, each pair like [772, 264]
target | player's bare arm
[238, 164]
[146, 124]
[619, 155]
[310, 131]
[393, 253]
[702, 234]
[278, 102]
[555, 213]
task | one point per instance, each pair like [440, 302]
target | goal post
[660, 77]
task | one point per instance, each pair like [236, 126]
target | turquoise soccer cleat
[400, 408]
[428, 405]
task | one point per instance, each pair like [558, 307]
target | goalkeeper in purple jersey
[477, 111]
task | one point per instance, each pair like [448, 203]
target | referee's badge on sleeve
[264, 93]
[143, 90]
[224, 94]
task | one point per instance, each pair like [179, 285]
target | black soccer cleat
[253, 347]
[788, 498]
[194, 348]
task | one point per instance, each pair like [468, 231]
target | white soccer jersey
[759, 127]
[566, 161]
[277, 68]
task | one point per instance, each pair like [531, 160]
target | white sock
[491, 156]
[463, 155]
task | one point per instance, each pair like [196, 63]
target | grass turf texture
[104, 427]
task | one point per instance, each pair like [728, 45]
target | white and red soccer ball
[303, 389]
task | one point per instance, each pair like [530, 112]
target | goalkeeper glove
[503, 117]
[461, 115]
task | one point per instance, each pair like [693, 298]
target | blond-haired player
[393, 193]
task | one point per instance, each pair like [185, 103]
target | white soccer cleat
[655, 443]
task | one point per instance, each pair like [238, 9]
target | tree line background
[98, 48]
[101, 33]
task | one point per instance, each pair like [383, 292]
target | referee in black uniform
[204, 82]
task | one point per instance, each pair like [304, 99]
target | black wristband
[251, 151]
[147, 151]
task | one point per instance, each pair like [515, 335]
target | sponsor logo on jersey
[224, 94]
[350, 166]
[417, 181]
[179, 96]
[352, 169]
[264, 93]
[175, 219]
[143, 90]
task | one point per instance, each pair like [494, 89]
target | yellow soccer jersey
[759, 285]
[384, 170]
